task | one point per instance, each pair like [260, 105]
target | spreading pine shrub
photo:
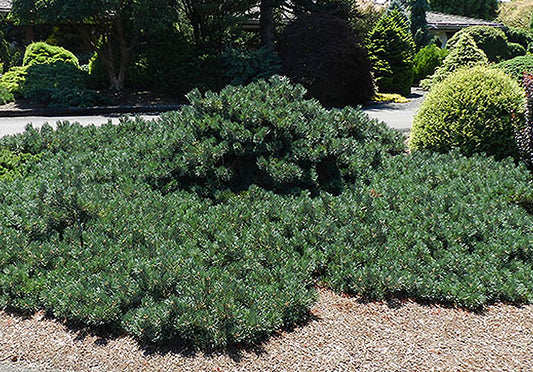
[41, 53]
[87, 235]
[391, 50]
[492, 41]
[465, 54]
[518, 66]
[124, 246]
[323, 53]
[474, 110]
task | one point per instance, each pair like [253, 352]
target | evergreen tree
[465, 54]
[484, 9]
[391, 50]
[419, 26]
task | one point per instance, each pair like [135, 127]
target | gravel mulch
[344, 336]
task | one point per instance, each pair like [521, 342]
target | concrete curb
[88, 111]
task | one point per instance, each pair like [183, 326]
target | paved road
[398, 115]
[17, 125]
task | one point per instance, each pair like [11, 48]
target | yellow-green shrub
[474, 110]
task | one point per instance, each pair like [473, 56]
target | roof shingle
[443, 21]
[5, 5]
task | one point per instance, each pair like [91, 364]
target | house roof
[5, 6]
[450, 22]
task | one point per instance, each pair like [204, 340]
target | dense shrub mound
[51, 75]
[475, 110]
[518, 35]
[267, 134]
[515, 50]
[465, 54]
[492, 41]
[42, 53]
[323, 53]
[518, 66]
[88, 236]
[427, 60]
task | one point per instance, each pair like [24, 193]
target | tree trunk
[266, 24]
[116, 72]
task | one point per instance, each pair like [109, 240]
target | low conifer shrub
[465, 54]
[517, 67]
[88, 236]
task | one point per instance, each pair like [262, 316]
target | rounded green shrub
[391, 50]
[40, 53]
[492, 41]
[474, 110]
[465, 54]
[323, 53]
[518, 66]
[13, 80]
[59, 84]
[427, 60]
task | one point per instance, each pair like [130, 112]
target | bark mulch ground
[344, 335]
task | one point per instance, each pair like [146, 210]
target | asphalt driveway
[398, 115]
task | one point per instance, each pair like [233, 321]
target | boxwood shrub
[474, 110]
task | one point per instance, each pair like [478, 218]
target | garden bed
[344, 335]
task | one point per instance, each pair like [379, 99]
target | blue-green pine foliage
[213, 224]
